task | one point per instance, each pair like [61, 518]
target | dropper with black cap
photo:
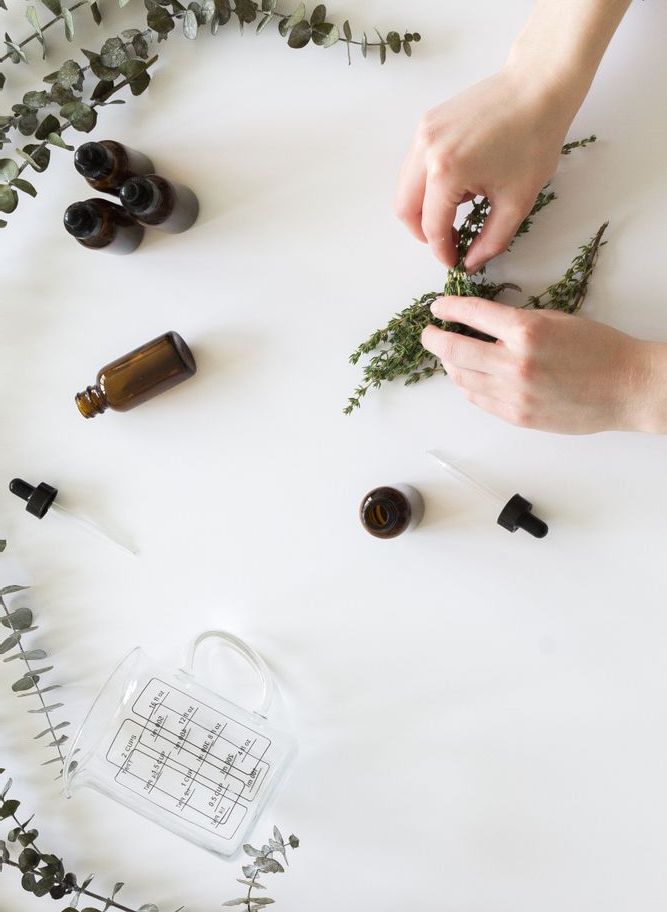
[107, 164]
[516, 512]
[102, 225]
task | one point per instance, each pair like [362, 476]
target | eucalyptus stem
[38, 690]
[44, 27]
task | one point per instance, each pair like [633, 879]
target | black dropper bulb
[93, 160]
[38, 500]
[137, 194]
[81, 219]
[517, 514]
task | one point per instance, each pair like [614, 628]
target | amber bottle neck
[91, 401]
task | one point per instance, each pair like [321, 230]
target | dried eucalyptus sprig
[297, 26]
[115, 67]
[396, 350]
[263, 862]
[60, 13]
[20, 622]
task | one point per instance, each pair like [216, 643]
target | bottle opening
[93, 160]
[385, 512]
[138, 194]
[81, 220]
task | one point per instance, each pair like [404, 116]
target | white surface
[481, 716]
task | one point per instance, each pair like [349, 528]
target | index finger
[498, 320]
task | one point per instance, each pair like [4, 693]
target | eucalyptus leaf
[70, 75]
[394, 42]
[36, 100]
[224, 11]
[347, 30]
[300, 35]
[8, 808]
[113, 52]
[246, 10]
[297, 16]
[25, 683]
[95, 11]
[9, 199]
[31, 654]
[80, 115]
[9, 590]
[326, 35]
[12, 640]
[68, 21]
[8, 171]
[46, 709]
[318, 15]
[48, 125]
[31, 16]
[54, 6]
[160, 20]
[190, 26]
[56, 140]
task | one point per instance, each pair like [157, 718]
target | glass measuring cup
[159, 742]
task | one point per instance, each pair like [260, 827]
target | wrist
[646, 399]
[559, 80]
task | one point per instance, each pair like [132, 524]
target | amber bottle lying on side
[102, 225]
[138, 376]
[106, 165]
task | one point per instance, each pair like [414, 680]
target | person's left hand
[548, 370]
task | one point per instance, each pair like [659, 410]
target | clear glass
[161, 743]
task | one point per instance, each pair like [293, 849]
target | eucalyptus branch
[20, 622]
[396, 350]
[61, 13]
[44, 873]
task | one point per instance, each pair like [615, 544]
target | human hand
[500, 139]
[551, 371]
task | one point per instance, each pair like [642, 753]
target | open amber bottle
[138, 376]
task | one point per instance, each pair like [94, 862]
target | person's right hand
[501, 139]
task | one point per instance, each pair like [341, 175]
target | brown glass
[126, 163]
[138, 376]
[117, 231]
[176, 207]
[386, 512]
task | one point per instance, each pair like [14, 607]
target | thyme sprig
[396, 350]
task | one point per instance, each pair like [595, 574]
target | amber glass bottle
[102, 225]
[157, 202]
[106, 165]
[388, 511]
[138, 376]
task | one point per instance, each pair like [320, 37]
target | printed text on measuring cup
[189, 759]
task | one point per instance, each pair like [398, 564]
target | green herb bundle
[396, 350]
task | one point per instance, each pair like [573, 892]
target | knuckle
[528, 332]
[525, 369]
[426, 129]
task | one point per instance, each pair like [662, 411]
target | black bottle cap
[38, 500]
[517, 514]
[93, 160]
[82, 219]
[138, 194]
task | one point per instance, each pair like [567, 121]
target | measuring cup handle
[248, 653]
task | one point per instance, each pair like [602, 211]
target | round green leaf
[70, 75]
[8, 169]
[80, 115]
[9, 199]
[300, 35]
[190, 24]
[160, 20]
[319, 14]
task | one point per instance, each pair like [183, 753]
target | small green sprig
[396, 350]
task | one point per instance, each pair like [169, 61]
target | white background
[480, 715]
